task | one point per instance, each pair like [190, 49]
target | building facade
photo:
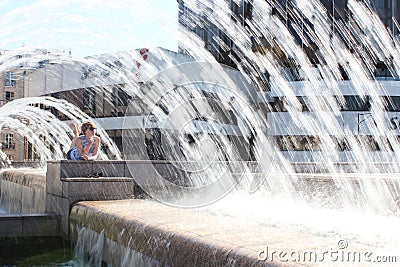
[105, 87]
[196, 17]
[354, 114]
[103, 90]
[15, 66]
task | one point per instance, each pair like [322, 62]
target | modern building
[106, 86]
[15, 66]
[298, 143]
[103, 86]
[199, 18]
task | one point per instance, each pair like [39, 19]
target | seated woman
[87, 144]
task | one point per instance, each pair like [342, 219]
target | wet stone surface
[182, 237]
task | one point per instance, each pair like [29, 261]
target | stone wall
[148, 232]
[23, 190]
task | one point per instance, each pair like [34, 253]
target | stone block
[65, 189]
[54, 204]
[53, 182]
[151, 172]
[75, 168]
[120, 189]
[109, 168]
[90, 189]
[49, 202]
[64, 218]
[40, 225]
[10, 226]
[142, 168]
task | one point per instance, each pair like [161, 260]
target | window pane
[10, 79]
[392, 103]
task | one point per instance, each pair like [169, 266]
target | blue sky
[88, 27]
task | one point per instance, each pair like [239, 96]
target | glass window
[351, 103]
[10, 79]
[86, 99]
[341, 143]
[9, 141]
[123, 98]
[89, 101]
[392, 103]
[305, 103]
[9, 95]
[355, 103]
[298, 143]
[368, 143]
[279, 104]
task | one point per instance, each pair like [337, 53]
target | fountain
[230, 150]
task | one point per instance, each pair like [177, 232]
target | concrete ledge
[98, 188]
[347, 167]
[24, 164]
[182, 237]
[78, 189]
[27, 177]
[29, 225]
[99, 179]
[124, 168]
[387, 177]
[23, 190]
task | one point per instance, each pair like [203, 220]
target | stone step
[29, 225]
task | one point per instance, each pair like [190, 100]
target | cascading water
[360, 192]
[43, 129]
[355, 47]
[360, 206]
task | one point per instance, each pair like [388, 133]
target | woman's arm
[75, 131]
[74, 141]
